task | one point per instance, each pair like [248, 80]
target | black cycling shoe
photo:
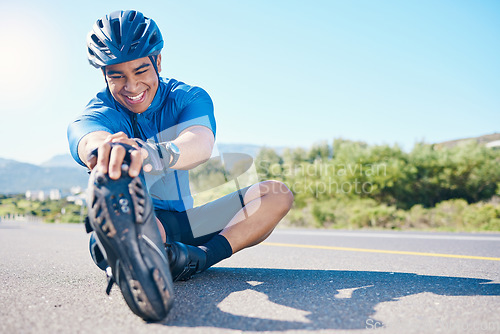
[185, 260]
[122, 216]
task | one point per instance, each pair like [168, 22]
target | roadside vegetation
[61, 211]
[352, 185]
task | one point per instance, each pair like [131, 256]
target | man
[139, 136]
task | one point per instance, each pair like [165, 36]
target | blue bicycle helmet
[123, 36]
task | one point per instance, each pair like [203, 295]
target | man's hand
[195, 143]
[110, 158]
[156, 158]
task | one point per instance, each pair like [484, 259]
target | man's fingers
[115, 161]
[121, 137]
[127, 141]
[92, 162]
[147, 167]
[120, 134]
[110, 156]
[135, 164]
[103, 158]
[144, 153]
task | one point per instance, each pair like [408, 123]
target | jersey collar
[157, 100]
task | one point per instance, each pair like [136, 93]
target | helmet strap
[153, 61]
[103, 69]
[106, 80]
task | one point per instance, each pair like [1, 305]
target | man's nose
[132, 85]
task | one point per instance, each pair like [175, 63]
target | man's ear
[158, 62]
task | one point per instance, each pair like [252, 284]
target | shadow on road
[282, 299]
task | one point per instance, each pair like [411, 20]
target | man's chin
[135, 108]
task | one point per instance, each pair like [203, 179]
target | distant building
[35, 195]
[76, 190]
[55, 194]
[38, 195]
[78, 195]
[77, 199]
[494, 144]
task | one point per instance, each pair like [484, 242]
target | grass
[452, 215]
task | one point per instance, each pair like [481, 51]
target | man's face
[134, 83]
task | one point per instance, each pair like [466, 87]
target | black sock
[217, 249]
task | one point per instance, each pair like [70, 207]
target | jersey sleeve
[196, 109]
[96, 117]
[79, 129]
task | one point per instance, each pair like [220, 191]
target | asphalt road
[300, 281]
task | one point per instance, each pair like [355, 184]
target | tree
[267, 157]
[320, 151]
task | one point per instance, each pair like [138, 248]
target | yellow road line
[349, 249]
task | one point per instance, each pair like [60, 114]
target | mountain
[484, 140]
[65, 160]
[62, 172]
[61, 160]
[18, 177]
[251, 150]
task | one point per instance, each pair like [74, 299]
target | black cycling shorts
[198, 225]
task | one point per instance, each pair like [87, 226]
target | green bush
[51, 211]
[323, 214]
[482, 216]
[451, 215]
[382, 186]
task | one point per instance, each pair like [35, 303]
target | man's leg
[121, 216]
[266, 203]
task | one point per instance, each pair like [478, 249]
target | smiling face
[133, 84]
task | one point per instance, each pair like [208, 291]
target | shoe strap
[111, 280]
[88, 227]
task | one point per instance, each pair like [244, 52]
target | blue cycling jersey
[175, 107]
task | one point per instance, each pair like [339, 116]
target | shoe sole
[120, 214]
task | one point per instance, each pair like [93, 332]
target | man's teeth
[135, 98]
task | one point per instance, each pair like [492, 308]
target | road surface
[299, 281]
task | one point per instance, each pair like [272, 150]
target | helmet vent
[99, 23]
[153, 38]
[98, 41]
[115, 26]
[132, 15]
[133, 47]
[139, 31]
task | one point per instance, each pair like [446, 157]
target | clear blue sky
[281, 73]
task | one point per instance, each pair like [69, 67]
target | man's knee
[280, 193]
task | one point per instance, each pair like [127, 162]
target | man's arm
[195, 144]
